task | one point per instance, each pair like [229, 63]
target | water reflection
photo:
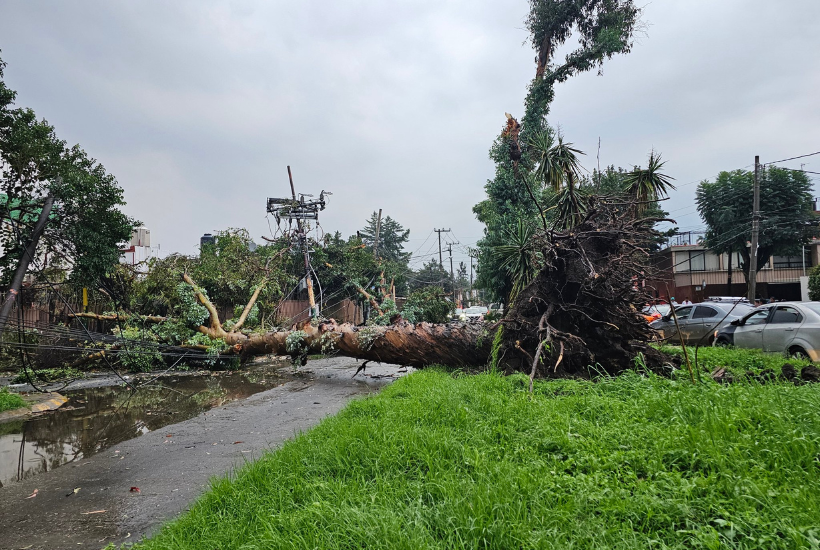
[96, 418]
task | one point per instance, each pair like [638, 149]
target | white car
[785, 327]
[475, 312]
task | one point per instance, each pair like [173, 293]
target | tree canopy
[534, 166]
[86, 227]
[392, 237]
[787, 219]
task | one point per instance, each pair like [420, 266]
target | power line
[794, 158]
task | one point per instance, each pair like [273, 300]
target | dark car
[698, 322]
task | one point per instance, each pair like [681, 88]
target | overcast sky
[197, 107]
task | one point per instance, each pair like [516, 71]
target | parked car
[474, 312]
[785, 327]
[656, 311]
[698, 322]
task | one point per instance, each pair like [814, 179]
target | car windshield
[473, 310]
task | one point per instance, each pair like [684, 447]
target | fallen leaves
[32, 495]
[74, 492]
[95, 512]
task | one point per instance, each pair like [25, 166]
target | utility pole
[452, 276]
[378, 230]
[299, 210]
[25, 259]
[755, 234]
[440, 231]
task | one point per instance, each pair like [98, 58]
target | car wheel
[721, 343]
[799, 353]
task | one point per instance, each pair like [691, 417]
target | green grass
[736, 360]
[10, 401]
[446, 461]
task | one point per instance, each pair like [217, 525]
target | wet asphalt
[172, 466]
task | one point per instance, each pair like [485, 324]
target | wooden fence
[345, 311]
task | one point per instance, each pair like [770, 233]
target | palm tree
[558, 167]
[646, 186]
[515, 256]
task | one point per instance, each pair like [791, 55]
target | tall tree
[86, 228]
[787, 220]
[392, 237]
[602, 28]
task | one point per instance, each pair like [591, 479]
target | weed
[10, 401]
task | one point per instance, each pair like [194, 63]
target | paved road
[171, 471]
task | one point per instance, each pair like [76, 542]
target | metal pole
[755, 233]
[22, 267]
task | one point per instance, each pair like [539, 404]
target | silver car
[698, 322]
[782, 327]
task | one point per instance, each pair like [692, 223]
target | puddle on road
[97, 418]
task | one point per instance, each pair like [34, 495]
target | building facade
[691, 272]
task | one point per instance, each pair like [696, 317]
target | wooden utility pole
[314, 311]
[25, 260]
[440, 231]
[755, 234]
[378, 230]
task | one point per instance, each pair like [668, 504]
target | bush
[814, 283]
[427, 304]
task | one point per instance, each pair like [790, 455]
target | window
[786, 314]
[693, 260]
[697, 261]
[792, 262]
[757, 318]
[705, 312]
[683, 313]
[712, 262]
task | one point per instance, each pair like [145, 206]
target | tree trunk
[419, 345]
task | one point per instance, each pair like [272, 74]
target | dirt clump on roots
[582, 312]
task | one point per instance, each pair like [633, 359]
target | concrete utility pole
[25, 260]
[755, 234]
[440, 231]
[378, 230]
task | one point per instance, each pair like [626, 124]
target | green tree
[431, 274]
[392, 237]
[86, 227]
[787, 219]
[602, 28]
[646, 185]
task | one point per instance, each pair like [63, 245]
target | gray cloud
[197, 107]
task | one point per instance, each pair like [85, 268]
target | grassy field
[10, 401]
[440, 460]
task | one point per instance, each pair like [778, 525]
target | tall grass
[10, 401]
[438, 461]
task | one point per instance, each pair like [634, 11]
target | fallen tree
[580, 312]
